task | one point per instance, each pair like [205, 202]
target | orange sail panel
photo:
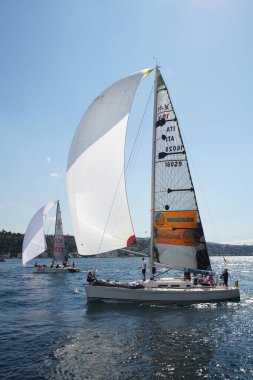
[176, 219]
[184, 237]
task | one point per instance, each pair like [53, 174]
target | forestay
[95, 171]
[34, 242]
[179, 239]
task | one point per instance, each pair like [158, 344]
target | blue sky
[58, 55]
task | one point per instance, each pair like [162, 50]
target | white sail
[95, 171]
[179, 237]
[59, 250]
[34, 242]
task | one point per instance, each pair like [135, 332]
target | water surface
[48, 331]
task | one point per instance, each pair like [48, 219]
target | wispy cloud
[2, 206]
[55, 175]
[49, 159]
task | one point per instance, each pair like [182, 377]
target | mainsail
[95, 171]
[34, 242]
[179, 240]
[59, 251]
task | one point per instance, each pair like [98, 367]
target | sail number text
[174, 148]
[173, 164]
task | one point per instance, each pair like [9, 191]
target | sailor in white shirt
[143, 268]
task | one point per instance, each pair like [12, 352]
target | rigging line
[49, 226]
[201, 189]
[135, 152]
[134, 148]
[160, 274]
[187, 164]
[123, 170]
[205, 201]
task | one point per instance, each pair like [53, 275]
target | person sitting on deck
[195, 279]
[187, 275]
[91, 276]
[210, 281]
[204, 280]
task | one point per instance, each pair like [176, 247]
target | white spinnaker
[34, 242]
[95, 172]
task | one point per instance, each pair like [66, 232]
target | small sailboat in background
[226, 261]
[34, 242]
[99, 206]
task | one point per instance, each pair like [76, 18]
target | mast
[55, 230]
[151, 255]
[55, 227]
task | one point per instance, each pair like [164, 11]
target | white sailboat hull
[157, 295]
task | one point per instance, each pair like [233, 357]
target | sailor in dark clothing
[90, 276]
[187, 275]
[225, 277]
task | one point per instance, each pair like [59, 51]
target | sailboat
[34, 242]
[226, 261]
[99, 206]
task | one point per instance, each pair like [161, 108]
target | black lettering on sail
[160, 123]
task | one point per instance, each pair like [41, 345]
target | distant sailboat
[226, 261]
[35, 241]
[99, 206]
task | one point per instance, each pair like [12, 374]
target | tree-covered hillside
[11, 243]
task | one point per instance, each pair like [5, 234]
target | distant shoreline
[11, 246]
